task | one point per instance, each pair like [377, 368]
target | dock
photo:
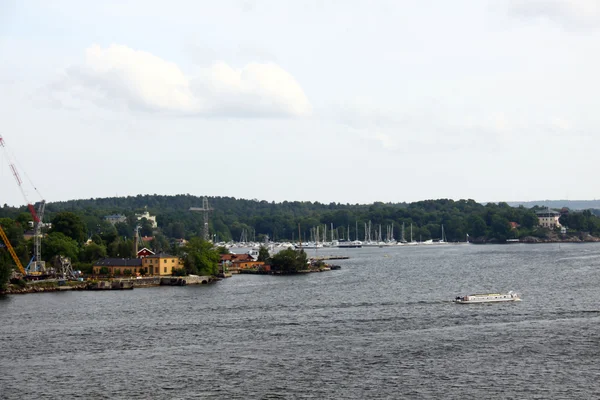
[326, 258]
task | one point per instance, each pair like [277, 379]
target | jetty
[326, 258]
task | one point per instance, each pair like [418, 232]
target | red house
[145, 252]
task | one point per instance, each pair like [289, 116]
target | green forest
[77, 222]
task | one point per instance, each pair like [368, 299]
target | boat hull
[487, 298]
[485, 301]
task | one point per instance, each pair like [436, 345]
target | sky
[349, 101]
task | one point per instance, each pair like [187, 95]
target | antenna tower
[205, 209]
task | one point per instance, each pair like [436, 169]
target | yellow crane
[12, 251]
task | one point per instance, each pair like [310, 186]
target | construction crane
[206, 210]
[12, 251]
[36, 266]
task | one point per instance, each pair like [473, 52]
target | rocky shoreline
[551, 238]
[22, 287]
[17, 289]
[573, 239]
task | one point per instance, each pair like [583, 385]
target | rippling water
[383, 326]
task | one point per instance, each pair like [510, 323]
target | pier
[326, 258]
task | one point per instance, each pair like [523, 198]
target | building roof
[119, 262]
[550, 213]
[236, 257]
[161, 255]
[145, 250]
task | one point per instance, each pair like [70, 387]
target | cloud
[574, 14]
[439, 127]
[145, 82]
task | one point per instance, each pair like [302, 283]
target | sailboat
[402, 240]
[443, 239]
[412, 242]
[348, 244]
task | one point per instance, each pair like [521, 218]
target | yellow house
[161, 264]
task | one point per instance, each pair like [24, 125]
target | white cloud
[258, 88]
[143, 81]
[575, 14]
[446, 128]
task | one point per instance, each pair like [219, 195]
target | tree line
[80, 231]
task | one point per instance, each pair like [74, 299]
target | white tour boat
[487, 298]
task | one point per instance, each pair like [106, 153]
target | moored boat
[349, 245]
[487, 298]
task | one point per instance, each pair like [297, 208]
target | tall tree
[289, 261]
[146, 227]
[500, 227]
[13, 231]
[123, 229]
[477, 226]
[200, 257]
[93, 252]
[24, 220]
[122, 248]
[160, 243]
[57, 243]
[178, 230]
[263, 254]
[107, 232]
[69, 224]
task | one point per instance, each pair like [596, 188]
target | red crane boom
[36, 261]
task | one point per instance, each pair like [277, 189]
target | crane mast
[36, 265]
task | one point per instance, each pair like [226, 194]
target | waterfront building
[117, 266]
[548, 219]
[236, 262]
[161, 264]
[151, 264]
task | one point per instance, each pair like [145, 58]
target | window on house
[165, 270]
[165, 261]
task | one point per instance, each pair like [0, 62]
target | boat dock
[325, 258]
